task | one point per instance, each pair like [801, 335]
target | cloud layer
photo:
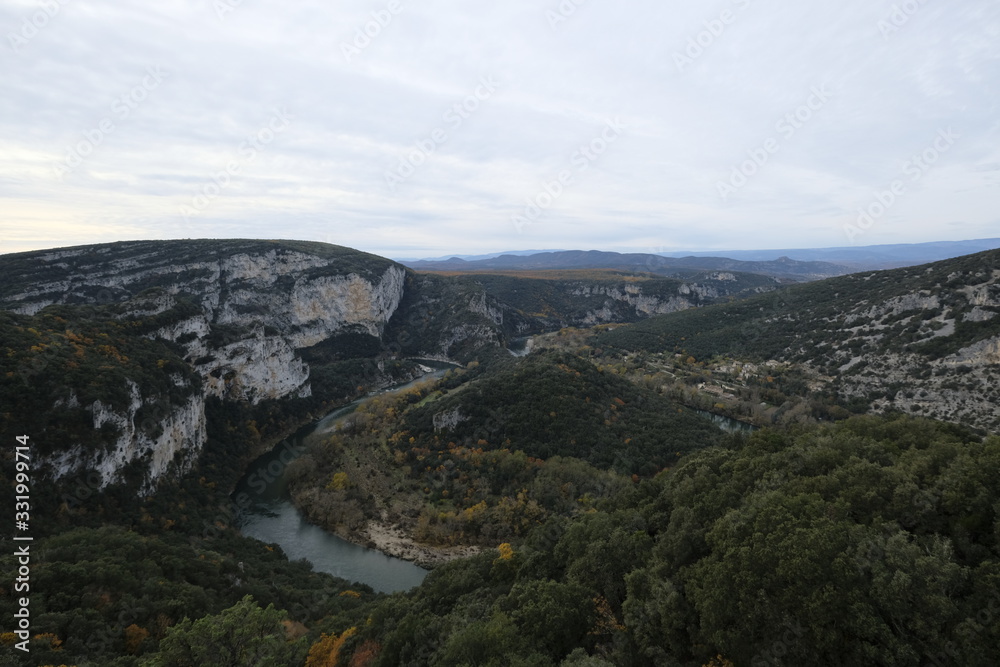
[411, 128]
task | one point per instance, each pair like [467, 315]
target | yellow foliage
[326, 652]
[350, 594]
[506, 551]
[719, 661]
[338, 482]
[470, 513]
[134, 636]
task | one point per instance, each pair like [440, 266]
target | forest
[872, 541]
[488, 452]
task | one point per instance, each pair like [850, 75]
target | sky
[421, 128]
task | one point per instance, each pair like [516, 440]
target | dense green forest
[559, 404]
[486, 454]
[875, 541]
[73, 356]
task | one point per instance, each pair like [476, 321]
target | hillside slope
[489, 453]
[923, 340]
[435, 311]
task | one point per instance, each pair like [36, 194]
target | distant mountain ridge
[782, 268]
[895, 255]
[846, 258]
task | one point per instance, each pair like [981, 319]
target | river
[273, 518]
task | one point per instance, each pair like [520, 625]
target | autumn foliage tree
[326, 652]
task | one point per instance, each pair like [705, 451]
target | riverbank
[393, 541]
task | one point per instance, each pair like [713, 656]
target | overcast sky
[416, 128]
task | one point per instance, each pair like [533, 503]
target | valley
[576, 500]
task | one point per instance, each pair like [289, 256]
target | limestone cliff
[170, 435]
[258, 302]
[240, 310]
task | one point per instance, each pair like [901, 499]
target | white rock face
[895, 306]
[323, 306]
[254, 311]
[256, 369]
[478, 304]
[171, 430]
[642, 303]
[977, 314]
[448, 420]
[983, 353]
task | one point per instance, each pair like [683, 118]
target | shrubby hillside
[487, 454]
[559, 404]
[924, 340]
